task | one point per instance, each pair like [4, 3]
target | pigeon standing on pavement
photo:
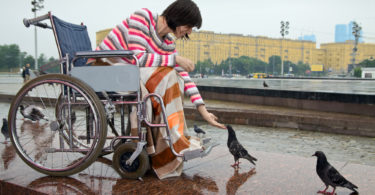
[265, 84]
[236, 149]
[32, 112]
[4, 129]
[329, 175]
[198, 130]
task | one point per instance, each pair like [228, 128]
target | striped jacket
[138, 33]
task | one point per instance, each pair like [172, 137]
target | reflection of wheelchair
[78, 105]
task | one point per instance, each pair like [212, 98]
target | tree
[12, 59]
[367, 63]
[29, 59]
[9, 57]
[42, 60]
[274, 64]
[358, 72]
[203, 67]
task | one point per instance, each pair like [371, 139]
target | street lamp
[357, 33]
[284, 31]
[37, 5]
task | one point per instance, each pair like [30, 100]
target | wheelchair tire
[138, 168]
[42, 143]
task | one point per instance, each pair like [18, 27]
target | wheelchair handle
[35, 21]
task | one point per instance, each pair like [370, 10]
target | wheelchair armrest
[102, 54]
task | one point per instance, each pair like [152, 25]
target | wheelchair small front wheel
[137, 169]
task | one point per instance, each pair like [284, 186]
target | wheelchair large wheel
[138, 168]
[48, 143]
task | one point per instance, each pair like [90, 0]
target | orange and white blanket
[166, 82]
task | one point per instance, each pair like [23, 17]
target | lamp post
[284, 31]
[37, 5]
[357, 33]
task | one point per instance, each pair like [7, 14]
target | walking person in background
[23, 74]
[27, 73]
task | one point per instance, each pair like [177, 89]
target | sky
[247, 17]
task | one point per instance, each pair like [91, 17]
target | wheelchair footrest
[204, 151]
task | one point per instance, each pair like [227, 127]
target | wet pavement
[284, 166]
[274, 174]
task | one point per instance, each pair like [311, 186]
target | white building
[368, 73]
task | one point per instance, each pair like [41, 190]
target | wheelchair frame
[79, 92]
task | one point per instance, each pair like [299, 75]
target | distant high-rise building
[343, 33]
[307, 38]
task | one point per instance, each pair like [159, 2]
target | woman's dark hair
[183, 12]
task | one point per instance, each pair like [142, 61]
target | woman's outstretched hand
[185, 63]
[209, 117]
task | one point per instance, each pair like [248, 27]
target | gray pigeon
[330, 176]
[32, 112]
[236, 149]
[198, 130]
[4, 129]
[265, 84]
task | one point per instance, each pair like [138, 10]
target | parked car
[259, 75]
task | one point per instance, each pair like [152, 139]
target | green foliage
[12, 59]
[9, 57]
[245, 65]
[29, 59]
[367, 63]
[274, 64]
[358, 72]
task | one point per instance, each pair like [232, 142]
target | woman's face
[181, 31]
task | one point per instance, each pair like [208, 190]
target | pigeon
[330, 176]
[198, 130]
[4, 129]
[265, 84]
[236, 149]
[32, 112]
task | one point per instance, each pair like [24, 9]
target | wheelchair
[59, 122]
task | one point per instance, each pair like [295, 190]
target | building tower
[341, 33]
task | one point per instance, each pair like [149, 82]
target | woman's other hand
[209, 117]
[185, 63]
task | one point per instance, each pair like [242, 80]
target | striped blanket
[166, 82]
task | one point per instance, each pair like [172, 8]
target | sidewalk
[273, 174]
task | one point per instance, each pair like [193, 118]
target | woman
[149, 36]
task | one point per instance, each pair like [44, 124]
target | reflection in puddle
[60, 185]
[237, 180]
[8, 155]
[176, 185]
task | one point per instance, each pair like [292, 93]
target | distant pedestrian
[23, 74]
[27, 73]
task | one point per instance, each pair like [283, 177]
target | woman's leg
[164, 82]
